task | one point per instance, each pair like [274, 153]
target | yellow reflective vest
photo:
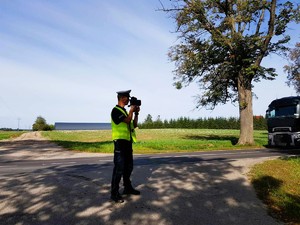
[123, 130]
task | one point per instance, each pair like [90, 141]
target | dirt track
[27, 146]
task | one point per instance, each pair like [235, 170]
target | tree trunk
[246, 112]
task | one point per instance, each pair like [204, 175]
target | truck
[283, 122]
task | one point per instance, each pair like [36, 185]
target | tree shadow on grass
[232, 139]
[266, 184]
[286, 207]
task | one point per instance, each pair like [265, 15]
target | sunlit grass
[277, 183]
[156, 140]
[10, 134]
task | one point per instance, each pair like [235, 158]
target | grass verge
[156, 140]
[277, 184]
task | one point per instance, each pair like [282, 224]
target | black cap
[124, 93]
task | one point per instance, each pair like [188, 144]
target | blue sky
[64, 60]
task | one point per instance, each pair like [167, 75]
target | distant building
[82, 126]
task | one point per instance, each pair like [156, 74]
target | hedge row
[259, 123]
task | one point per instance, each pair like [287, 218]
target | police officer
[123, 135]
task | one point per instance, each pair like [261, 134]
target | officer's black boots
[131, 191]
[117, 198]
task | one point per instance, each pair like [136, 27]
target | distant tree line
[6, 129]
[259, 123]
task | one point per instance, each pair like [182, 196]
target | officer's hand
[133, 108]
[137, 109]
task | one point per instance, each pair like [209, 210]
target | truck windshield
[282, 111]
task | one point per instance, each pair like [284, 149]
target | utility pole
[19, 122]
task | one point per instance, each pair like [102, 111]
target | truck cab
[284, 122]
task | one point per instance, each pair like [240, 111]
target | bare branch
[270, 33]
[261, 18]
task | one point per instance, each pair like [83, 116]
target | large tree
[222, 45]
[293, 69]
[41, 124]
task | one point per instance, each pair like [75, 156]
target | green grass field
[156, 140]
[10, 134]
[277, 183]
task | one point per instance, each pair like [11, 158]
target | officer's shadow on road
[193, 192]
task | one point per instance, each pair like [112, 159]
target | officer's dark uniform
[123, 158]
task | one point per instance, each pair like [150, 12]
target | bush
[40, 124]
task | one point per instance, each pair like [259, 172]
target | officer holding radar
[123, 134]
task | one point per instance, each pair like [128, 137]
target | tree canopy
[221, 47]
[293, 69]
[41, 124]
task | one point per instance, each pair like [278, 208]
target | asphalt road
[12, 166]
[40, 183]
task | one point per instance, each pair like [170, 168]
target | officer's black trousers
[123, 165]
